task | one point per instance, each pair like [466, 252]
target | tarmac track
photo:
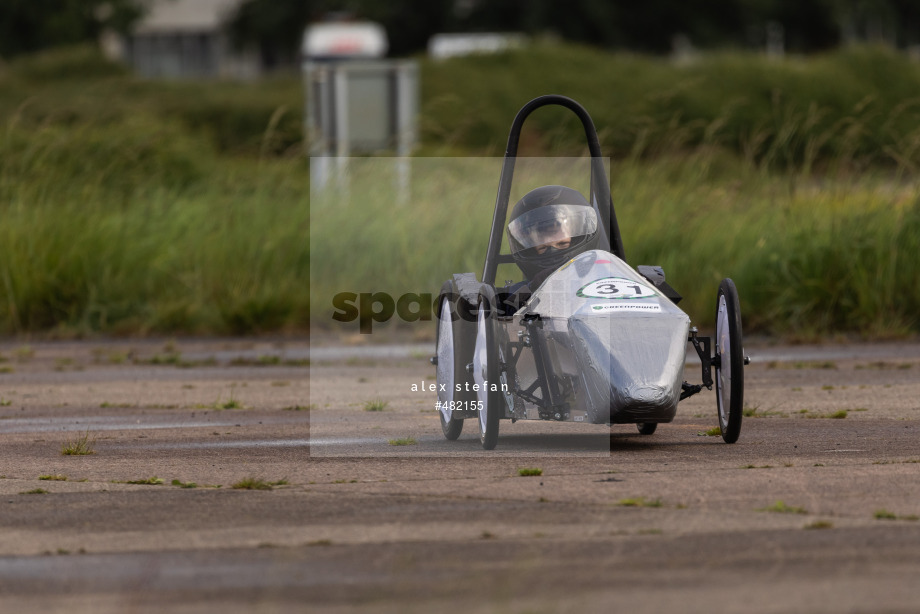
[797, 516]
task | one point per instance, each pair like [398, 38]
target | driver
[549, 226]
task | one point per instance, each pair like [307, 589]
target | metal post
[342, 145]
[406, 106]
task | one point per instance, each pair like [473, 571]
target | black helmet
[549, 226]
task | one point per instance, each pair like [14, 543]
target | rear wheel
[486, 370]
[455, 338]
[647, 428]
[729, 371]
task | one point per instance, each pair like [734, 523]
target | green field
[133, 207]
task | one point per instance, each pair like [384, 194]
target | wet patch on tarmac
[216, 445]
[135, 422]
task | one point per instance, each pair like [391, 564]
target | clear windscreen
[549, 224]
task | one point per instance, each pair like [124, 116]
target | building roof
[185, 15]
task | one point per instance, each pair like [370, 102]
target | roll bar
[599, 198]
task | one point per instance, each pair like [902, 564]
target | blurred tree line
[650, 26]
[27, 26]
[276, 26]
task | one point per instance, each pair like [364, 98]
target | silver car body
[612, 345]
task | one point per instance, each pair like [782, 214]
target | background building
[185, 39]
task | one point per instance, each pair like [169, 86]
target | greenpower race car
[588, 338]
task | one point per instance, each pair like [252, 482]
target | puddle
[119, 423]
[176, 573]
[251, 443]
[332, 352]
[215, 445]
[329, 441]
[340, 352]
[762, 354]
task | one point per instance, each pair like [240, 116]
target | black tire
[486, 370]
[647, 428]
[729, 372]
[454, 348]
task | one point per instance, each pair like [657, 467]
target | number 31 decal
[616, 287]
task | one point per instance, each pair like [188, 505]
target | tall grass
[135, 227]
[130, 207]
[850, 108]
[810, 256]
[75, 87]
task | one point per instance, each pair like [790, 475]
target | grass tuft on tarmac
[780, 507]
[82, 446]
[254, 483]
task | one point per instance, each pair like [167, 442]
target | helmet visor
[550, 224]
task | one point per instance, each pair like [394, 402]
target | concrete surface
[795, 517]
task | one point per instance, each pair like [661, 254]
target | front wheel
[455, 337]
[647, 428]
[486, 370]
[729, 371]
